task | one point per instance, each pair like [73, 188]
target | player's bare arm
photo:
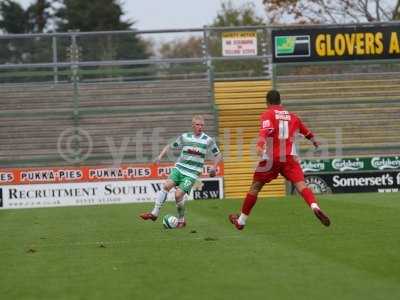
[162, 153]
[261, 150]
[315, 142]
[213, 170]
[308, 134]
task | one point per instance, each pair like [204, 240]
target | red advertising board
[91, 173]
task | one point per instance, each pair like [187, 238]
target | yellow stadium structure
[239, 105]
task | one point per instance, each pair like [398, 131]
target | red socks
[308, 196]
[251, 200]
[248, 203]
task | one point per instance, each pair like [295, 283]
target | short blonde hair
[197, 118]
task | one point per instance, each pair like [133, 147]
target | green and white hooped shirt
[193, 154]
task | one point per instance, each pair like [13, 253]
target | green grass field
[107, 252]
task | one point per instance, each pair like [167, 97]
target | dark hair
[273, 97]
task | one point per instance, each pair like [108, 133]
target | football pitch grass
[107, 252]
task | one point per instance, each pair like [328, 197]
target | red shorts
[268, 171]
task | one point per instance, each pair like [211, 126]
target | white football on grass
[170, 221]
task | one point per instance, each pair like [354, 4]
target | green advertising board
[376, 163]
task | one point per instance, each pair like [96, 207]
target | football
[170, 221]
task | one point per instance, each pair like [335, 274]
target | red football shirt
[278, 130]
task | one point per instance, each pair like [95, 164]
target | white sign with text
[239, 43]
[86, 193]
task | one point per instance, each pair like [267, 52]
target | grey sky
[171, 14]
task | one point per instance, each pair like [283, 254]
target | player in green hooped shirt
[194, 147]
